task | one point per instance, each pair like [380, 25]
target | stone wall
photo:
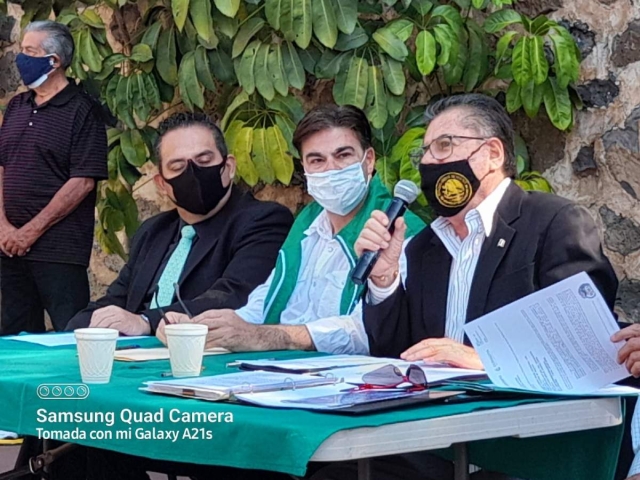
[597, 164]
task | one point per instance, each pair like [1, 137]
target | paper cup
[96, 347]
[186, 347]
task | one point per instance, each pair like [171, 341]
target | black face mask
[449, 187]
[199, 189]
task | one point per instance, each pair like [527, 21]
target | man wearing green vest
[309, 302]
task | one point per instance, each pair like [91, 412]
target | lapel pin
[501, 243]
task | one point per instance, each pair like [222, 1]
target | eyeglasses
[441, 148]
[391, 376]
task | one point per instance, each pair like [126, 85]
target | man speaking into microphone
[491, 243]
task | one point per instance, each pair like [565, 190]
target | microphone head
[406, 190]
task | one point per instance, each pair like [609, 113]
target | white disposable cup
[186, 347]
[96, 347]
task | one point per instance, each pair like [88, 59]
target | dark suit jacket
[546, 239]
[235, 254]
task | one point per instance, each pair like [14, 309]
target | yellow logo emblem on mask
[453, 190]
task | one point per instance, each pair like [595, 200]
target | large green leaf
[190, 89]
[454, 70]
[539, 64]
[356, 39]
[502, 47]
[221, 65]
[188, 38]
[200, 11]
[275, 65]
[133, 147]
[393, 75]
[273, 12]
[501, 19]
[293, 66]
[346, 15]
[285, 11]
[395, 104]
[289, 106]
[521, 63]
[376, 111]
[141, 53]
[180, 9]
[228, 7]
[278, 151]
[245, 34]
[203, 70]
[449, 14]
[477, 62]
[425, 52]
[264, 85]
[89, 52]
[151, 35]
[423, 7]
[260, 156]
[166, 57]
[558, 104]
[355, 90]
[225, 25]
[242, 150]
[531, 95]
[235, 104]
[401, 28]
[302, 23]
[387, 172]
[447, 39]
[566, 64]
[245, 70]
[324, 22]
[309, 58]
[152, 91]
[391, 44]
[339, 87]
[287, 127]
[514, 100]
[329, 64]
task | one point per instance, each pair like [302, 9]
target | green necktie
[173, 269]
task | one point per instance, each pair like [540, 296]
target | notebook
[224, 387]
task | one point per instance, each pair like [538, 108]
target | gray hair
[58, 40]
[485, 116]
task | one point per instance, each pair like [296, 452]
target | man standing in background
[53, 151]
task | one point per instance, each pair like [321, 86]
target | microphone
[404, 194]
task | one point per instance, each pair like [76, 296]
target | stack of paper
[222, 387]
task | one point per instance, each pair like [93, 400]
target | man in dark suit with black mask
[217, 245]
[490, 244]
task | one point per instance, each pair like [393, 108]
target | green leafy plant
[253, 64]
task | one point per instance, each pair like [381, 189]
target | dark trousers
[109, 465]
[28, 288]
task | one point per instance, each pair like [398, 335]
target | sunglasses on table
[390, 376]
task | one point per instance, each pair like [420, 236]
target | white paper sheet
[55, 339]
[315, 363]
[158, 353]
[556, 340]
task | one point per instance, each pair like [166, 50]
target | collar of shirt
[321, 226]
[60, 98]
[486, 210]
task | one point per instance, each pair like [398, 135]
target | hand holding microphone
[379, 245]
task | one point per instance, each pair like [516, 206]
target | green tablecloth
[260, 438]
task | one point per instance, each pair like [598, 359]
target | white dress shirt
[464, 254]
[315, 301]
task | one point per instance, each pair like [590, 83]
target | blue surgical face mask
[339, 191]
[34, 71]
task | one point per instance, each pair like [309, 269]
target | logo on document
[63, 391]
[586, 291]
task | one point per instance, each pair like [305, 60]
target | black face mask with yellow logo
[449, 187]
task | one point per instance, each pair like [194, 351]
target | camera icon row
[63, 391]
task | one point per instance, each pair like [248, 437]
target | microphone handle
[368, 259]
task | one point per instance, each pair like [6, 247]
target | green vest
[290, 255]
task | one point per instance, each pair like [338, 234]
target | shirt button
[30, 124]
[330, 249]
[35, 111]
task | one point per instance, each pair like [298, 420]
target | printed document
[556, 340]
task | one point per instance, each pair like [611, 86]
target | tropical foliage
[254, 64]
